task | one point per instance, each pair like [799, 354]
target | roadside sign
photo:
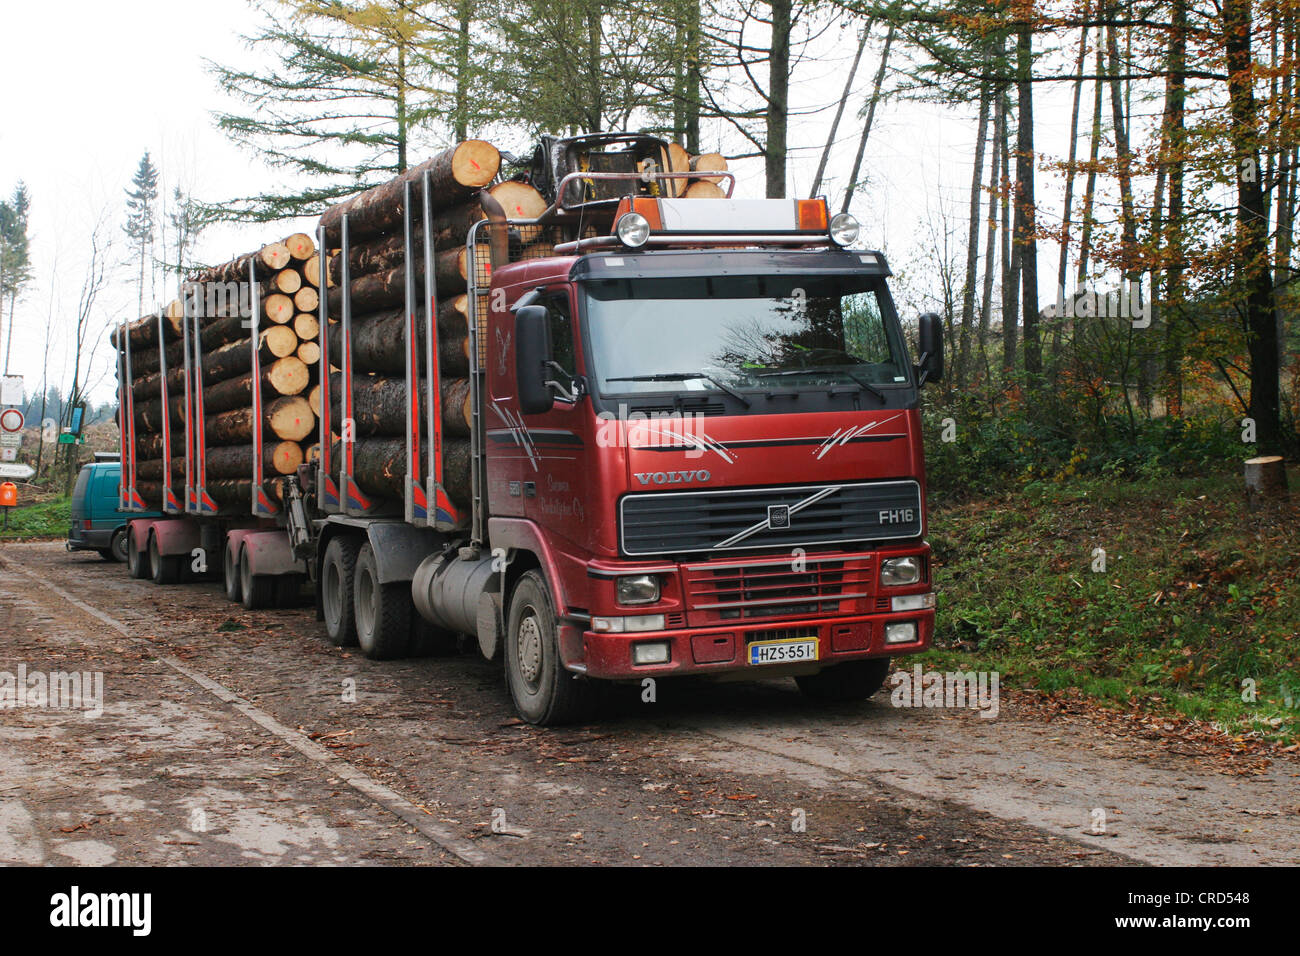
[11, 420]
[11, 390]
[10, 439]
[67, 438]
[21, 472]
[8, 454]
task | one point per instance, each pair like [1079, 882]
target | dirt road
[234, 737]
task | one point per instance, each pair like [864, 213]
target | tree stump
[1265, 480]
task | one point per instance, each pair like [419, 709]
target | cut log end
[475, 163]
[301, 246]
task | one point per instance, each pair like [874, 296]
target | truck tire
[137, 561]
[852, 680]
[165, 568]
[117, 546]
[336, 573]
[230, 574]
[256, 590]
[544, 692]
[383, 611]
[288, 590]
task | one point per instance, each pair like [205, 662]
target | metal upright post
[168, 500]
[442, 513]
[260, 504]
[413, 508]
[327, 493]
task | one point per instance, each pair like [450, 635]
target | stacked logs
[703, 186]
[377, 292]
[288, 276]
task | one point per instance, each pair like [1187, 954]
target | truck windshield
[722, 333]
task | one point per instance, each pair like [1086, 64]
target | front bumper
[724, 649]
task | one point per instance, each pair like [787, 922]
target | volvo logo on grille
[672, 477]
[778, 516]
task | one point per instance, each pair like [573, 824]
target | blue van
[97, 525]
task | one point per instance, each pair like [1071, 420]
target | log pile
[377, 292]
[287, 333]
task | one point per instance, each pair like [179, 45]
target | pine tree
[15, 262]
[141, 221]
[343, 90]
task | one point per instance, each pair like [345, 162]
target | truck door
[557, 498]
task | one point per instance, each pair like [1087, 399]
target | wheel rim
[119, 547]
[365, 603]
[528, 649]
[332, 596]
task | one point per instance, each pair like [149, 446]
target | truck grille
[695, 521]
[742, 592]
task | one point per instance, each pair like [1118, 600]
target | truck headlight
[628, 625]
[844, 230]
[637, 589]
[898, 571]
[632, 229]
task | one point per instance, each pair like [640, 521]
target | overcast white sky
[86, 87]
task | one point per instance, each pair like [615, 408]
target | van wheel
[256, 590]
[336, 575]
[137, 561]
[116, 546]
[544, 692]
[383, 611]
[852, 680]
[230, 574]
[166, 567]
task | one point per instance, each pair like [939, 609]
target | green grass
[47, 520]
[1199, 597]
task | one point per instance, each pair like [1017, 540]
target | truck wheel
[256, 590]
[288, 590]
[852, 680]
[166, 568]
[137, 561]
[117, 546]
[544, 692]
[383, 611]
[336, 574]
[230, 574]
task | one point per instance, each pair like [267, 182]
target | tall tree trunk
[1010, 249]
[1090, 187]
[1060, 322]
[1025, 210]
[839, 110]
[1252, 269]
[871, 117]
[996, 173]
[973, 236]
[1173, 296]
[778, 98]
[460, 123]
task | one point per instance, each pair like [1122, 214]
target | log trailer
[693, 447]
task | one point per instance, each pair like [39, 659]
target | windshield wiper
[682, 377]
[812, 371]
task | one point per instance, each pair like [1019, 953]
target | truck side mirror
[929, 365]
[532, 353]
